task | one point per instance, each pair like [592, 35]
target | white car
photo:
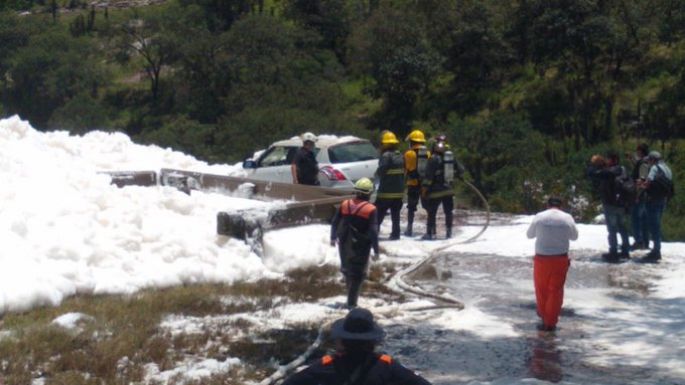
[342, 161]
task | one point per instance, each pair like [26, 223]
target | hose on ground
[447, 302]
[283, 370]
[398, 280]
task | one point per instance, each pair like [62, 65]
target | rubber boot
[448, 235]
[354, 285]
[430, 234]
[410, 224]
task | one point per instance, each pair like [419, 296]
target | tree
[149, 37]
[221, 14]
[280, 86]
[329, 18]
[13, 35]
[586, 47]
[51, 70]
[393, 50]
[503, 168]
[477, 58]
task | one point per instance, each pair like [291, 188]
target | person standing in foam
[553, 229]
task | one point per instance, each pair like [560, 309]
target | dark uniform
[614, 209]
[338, 369]
[390, 189]
[639, 209]
[438, 191]
[356, 229]
[307, 167]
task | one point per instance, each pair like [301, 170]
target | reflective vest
[328, 359]
[391, 173]
[357, 207]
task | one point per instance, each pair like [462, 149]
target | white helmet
[309, 137]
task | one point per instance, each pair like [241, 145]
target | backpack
[356, 242]
[661, 187]
[448, 160]
[626, 190]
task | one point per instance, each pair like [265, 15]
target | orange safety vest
[362, 209]
[328, 359]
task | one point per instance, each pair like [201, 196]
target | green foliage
[81, 114]
[392, 47]
[183, 134]
[504, 156]
[329, 18]
[47, 73]
[527, 90]
[18, 5]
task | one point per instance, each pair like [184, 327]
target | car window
[277, 156]
[352, 152]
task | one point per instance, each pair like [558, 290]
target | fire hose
[397, 280]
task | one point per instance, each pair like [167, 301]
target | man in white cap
[355, 360]
[305, 168]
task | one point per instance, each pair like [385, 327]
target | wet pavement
[606, 305]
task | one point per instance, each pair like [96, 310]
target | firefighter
[391, 182]
[355, 360]
[355, 229]
[415, 160]
[437, 189]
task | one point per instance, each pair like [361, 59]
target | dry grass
[124, 333]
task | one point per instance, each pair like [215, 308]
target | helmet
[416, 136]
[389, 138]
[441, 138]
[364, 186]
[440, 147]
[309, 137]
[654, 155]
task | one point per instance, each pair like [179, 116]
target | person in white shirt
[553, 229]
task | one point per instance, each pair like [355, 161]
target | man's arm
[334, 225]
[384, 163]
[403, 376]
[293, 171]
[573, 230]
[532, 229]
[372, 232]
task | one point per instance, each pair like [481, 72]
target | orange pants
[550, 276]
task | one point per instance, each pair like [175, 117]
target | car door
[274, 164]
[357, 159]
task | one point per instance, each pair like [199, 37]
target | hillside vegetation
[526, 90]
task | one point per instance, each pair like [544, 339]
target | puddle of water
[607, 313]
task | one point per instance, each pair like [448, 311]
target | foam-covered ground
[65, 229]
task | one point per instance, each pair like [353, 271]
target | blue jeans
[639, 221]
[655, 209]
[615, 217]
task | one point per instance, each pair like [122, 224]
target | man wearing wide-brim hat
[355, 360]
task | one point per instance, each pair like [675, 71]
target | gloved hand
[424, 193]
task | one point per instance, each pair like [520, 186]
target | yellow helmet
[416, 136]
[364, 186]
[389, 138]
